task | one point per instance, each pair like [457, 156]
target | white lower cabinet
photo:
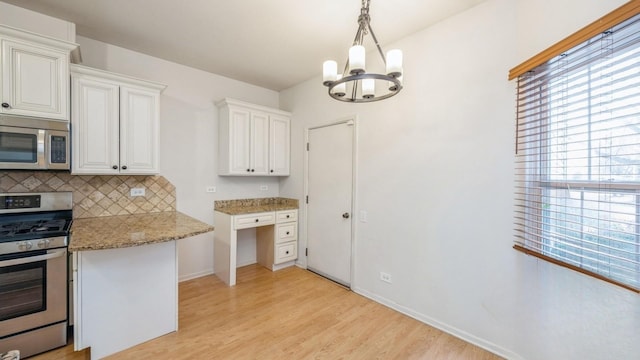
[279, 244]
[124, 297]
[115, 122]
[286, 252]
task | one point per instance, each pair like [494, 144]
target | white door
[329, 208]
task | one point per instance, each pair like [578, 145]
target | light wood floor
[288, 314]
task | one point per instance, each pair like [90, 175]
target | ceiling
[273, 44]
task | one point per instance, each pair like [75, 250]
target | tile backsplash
[96, 195]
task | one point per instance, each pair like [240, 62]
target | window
[578, 157]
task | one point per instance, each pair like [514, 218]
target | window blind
[578, 157]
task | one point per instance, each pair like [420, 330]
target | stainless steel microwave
[28, 143]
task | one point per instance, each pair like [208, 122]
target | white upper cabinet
[34, 74]
[279, 134]
[114, 123]
[253, 140]
[139, 125]
[259, 144]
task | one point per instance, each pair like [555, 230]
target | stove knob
[43, 244]
[24, 246]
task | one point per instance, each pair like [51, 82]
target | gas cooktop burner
[34, 216]
[38, 226]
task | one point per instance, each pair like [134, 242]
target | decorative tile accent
[97, 195]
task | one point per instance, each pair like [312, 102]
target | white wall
[435, 176]
[189, 141]
[18, 17]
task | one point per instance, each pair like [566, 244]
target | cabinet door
[35, 80]
[259, 143]
[279, 145]
[94, 126]
[139, 125]
[239, 142]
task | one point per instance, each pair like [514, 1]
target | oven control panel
[20, 201]
[31, 245]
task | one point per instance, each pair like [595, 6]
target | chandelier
[361, 85]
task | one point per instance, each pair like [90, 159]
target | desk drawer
[286, 252]
[287, 216]
[286, 232]
[254, 220]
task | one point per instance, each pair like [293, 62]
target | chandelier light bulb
[339, 90]
[368, 88]
[356, 59]
[329, 72]
[394, 62]
[393, 86]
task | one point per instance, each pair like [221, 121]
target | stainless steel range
[34, 230]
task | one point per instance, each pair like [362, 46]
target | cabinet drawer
[286, 232]
[286, 216]
[286, 252]
[254, 220]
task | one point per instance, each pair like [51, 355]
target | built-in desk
[276, 223]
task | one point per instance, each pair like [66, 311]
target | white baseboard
[487, 345]
[192, 276]
[277, 267]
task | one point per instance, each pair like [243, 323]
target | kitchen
[188, 107]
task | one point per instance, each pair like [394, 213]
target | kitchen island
[125, 278]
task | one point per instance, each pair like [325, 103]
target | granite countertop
[258, 205]
[114, 232]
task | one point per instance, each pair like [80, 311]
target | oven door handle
[31, 259]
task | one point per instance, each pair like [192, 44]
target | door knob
[6, 105]
[345, 215]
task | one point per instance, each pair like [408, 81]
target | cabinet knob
[257, 220]
[115, 167]
[287, 252]
[124, 167]
[248, 170]
[271, 170]
[6, 105]
[288, 216]
[252, 170]
[287, 233]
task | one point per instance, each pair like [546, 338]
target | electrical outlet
[264, 187]
[210, 189]
[385, 277]
[137, 192]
